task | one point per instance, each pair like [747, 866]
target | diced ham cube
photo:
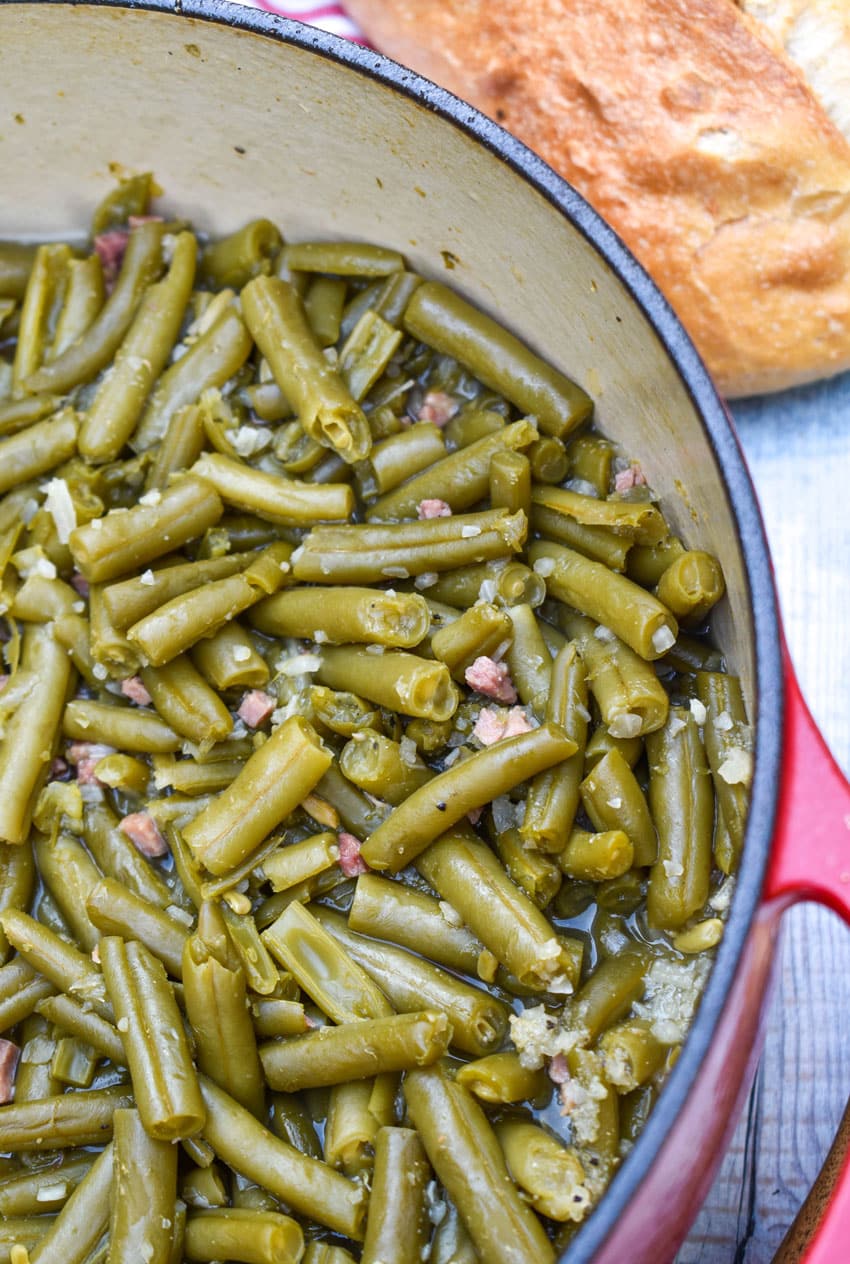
[492, 725]
[437, 407]
[133, 689]
[625, 480]
[491, 678]
[143, 832]
[110, 249]
[80, 583]
[86, 756]
[433, 508]
[559, 1072]
[350, 861]
[256, 707]
[9, 1055]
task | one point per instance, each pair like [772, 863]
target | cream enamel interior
[236, 125]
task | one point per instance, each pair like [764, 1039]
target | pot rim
[740, 502]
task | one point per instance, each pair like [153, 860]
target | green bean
[622, 895]
[261, 974]
[682, 807]
[273, 782]
[333, 1055]
[600, 544]
[607, 994]
[16, 261]
[398, 1227]
[75, 1232]
[241, 1233]
[274, 497]
[185, 701]
[291, 1122]
[274, 1017]
[634, 615]
[463, 1150]
[479, 1021]
[35, 1192]
[511, 583]
[216, 1000]
[501, 1078]
[308, 1186]
[118, 858]
[141, 358]
[535, 874]
[548, 460]
[345, 615]
[232, 261]
[324, 302]
[448, 797]
[399, 457]
[17, 883]
[130, 600]
[357, 1110]
[372, 553]
[460, 479]
[45, 289]
[602, 740]
[343, 712]
[73, 1017]
[467, 874]
[276, 319]
[727, 745]
[691, 586]
[701, 937]
[109, 649]
[648, 562]
[366, 353]
[115, 910]
[297, 862]
[68, 872]
[326, 1253]
[93, 352]
[342, 258]
[397, 680]
[38, 600]
[144, 1191]
[32, 731]
[631, 699]
[36, 450]
[219, 353]
[690, 654]
[56, 1123]
[631, 1054]
[596, 857]
[554, 795]
[472, 423]
[528, 658]
[325, 971]
[510, 481]
[131, 196]
[451, 1244]
[639, 521]
[483, 630]
[549, 1172]
[180, 447]
[635, 1108]
[453, 327]
[123, 540]
[18, 414]
[591, 460]
[164, 1081]
[84, 295]
[228, 659]
[613, 800]
[377, 765]
[21, 988]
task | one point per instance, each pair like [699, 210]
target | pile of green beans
[371, 790]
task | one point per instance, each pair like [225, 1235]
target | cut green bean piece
[186, 702]
[297, 862]
[396, 680]
[347, 614]
[17, 883]
[71, 1016]
[534, 873]
[21, 988]
[130, 196]
[69, 873]
[398, 1228]
[510, 583]
[144, 1192]
[228, 660]
[36, 450]
[501, 1078]
[691, 586]
[454, 327]
[510, 481]
[308, 1186]
[16, 260]
[554, 795]
[273, 782]
[130, 600]
[728, 747]
[274, 497]
[630, 697]
[70, 1120]
[324, 302]
[613, 800]
[596, 857]
[35, 1192]
[342, 258]
[366, 353]
[242, 1233]
[75, 1233]
[463, 1150]
[631, 1054]
[448, 797]
[115, 910]
[232, 261]
[84, 296]
[607, 994]
[400, 457]
[18, 414]
[548, 1172]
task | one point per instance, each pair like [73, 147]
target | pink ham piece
[492, 679]
[143, 832]
[255, 708]
[86, 756]
[350, 861]
[437, 407]
[133, 689]
[625, 480]
[9, 1055]
[110, 249]
[433, 509]
[492, 725]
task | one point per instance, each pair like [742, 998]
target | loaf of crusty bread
[686, 125]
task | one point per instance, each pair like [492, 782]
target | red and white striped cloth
[328, 17]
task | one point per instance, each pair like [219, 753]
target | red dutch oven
[241, 114]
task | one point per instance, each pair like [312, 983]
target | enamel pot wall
[240, 114]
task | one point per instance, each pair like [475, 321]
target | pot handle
[810, 860]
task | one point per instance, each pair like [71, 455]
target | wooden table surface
[798, 448]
